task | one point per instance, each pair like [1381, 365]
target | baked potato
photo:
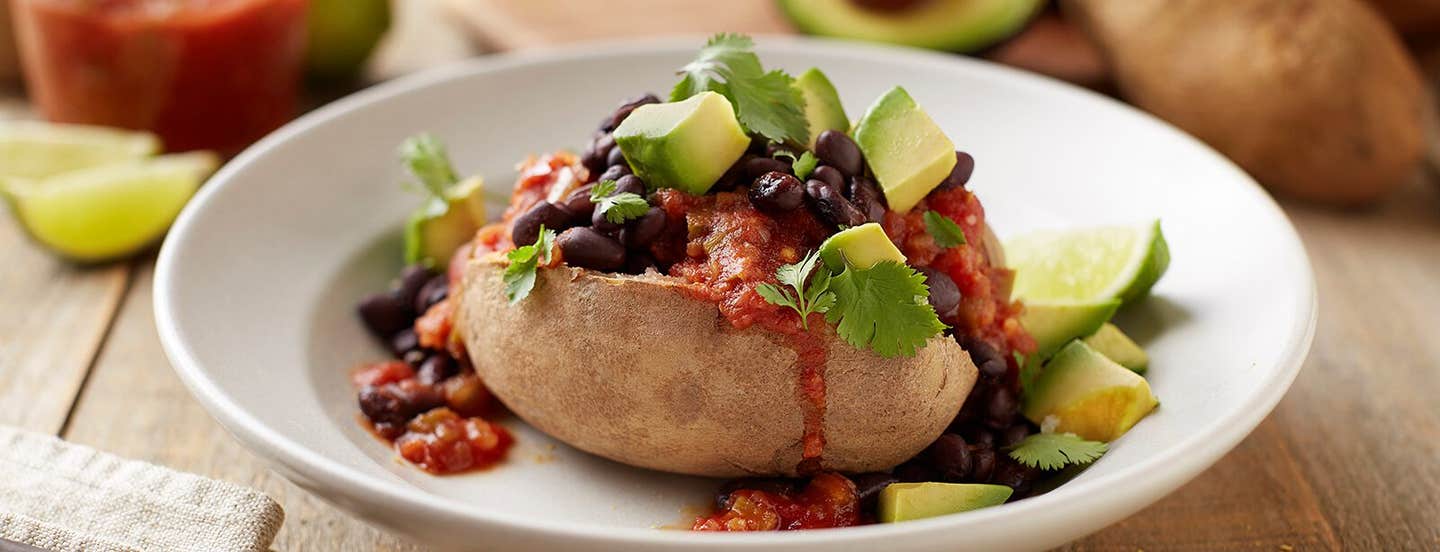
[637, 370]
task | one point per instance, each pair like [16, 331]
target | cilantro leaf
[811, 294]
[519, 276]
[883, 308]
[766, 103]
[425, 157]
[1052, 451]
[804, 165]
[620, 207]
[947, 234]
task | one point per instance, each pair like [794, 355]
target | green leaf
[1052, 451]
[811, 294]
[766, 103]
[804, 165]
[883, 308]
[617, 208]
[519, 276]
[947, 234]
[425, 157]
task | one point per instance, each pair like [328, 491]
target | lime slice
[30, 149]
[1089, 265]
[108, 211]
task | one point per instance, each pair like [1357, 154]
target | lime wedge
[1089, 265]
[108, 211]
[30, 149]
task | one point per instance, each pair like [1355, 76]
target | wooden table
[1350, 459]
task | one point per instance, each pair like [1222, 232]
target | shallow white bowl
[255, 287]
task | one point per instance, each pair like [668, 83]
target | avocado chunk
[1117, 346]
[440, 226]
[907, 151]
[822, 104]
[1082, 392]
[1055, 324]
[685, 145]
[861, 246]
[951, 25]
[909, 501]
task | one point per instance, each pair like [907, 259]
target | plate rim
[1184, 460]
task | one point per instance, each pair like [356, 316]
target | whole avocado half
[950, 25]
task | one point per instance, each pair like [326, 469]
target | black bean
[1000, 412]
[579, 205]
[527, 226]
[1014, 434]
[412, 278]
[777, 192]
[381, 404]
[403, 342]
[982, 463]
[950, 457]
[757, 166]
[831, 206]
[836, 149]
[587, 248]
[603, 225]
[944, 294]
[979, 435]
[436, 369]
[616, 157]
[1015, 475]
[385, 313]
[772, 485]
[734, 176]
[964, 166]
[637, 262]
[435, 291]
[614, 172]
[630, 184]
[869, 485]
[830, 175]
[614, 119]
[866, 197]
[914, 470]
[640, 232]
[598, 151]
[758, 145]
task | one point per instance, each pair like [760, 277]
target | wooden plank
[54, 318]
[135, 406]
[517, 24]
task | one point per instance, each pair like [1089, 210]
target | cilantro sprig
[1052, 451]
[810, 295]
[804, 165]
[884, 308]
[765, 101]
[425, 157]
[947, 234]
[519, 277]
[620, 207]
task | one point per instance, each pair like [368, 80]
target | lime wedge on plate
[1088, 265]
[108, 211]
[31, 149]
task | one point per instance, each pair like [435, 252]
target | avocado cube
[822, 104]
[910, 501]
[1117, 346]
[685, 145]
[440, 226]
[1082, 392]
[907, 151]
[861, 247]
[1055, 324]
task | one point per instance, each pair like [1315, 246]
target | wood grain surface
[1349, 460]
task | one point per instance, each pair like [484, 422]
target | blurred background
[1329, 103]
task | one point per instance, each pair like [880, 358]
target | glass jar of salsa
[203, 74]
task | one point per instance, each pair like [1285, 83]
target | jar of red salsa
[203, 74]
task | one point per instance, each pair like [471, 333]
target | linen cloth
[65, 497]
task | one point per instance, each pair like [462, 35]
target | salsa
[203, 74]
[828, 500]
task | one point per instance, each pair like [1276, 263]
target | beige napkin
[65, 497]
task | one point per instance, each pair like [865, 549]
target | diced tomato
[433, 328]
[442, 442]
[829, 500]
[381, 373]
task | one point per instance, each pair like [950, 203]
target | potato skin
[1318, 99]
[633, 369]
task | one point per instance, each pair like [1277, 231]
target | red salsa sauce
[451, 437]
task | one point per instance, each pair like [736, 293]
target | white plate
[255, 288]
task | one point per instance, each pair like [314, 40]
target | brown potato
[634, 369]
[1316, 98]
